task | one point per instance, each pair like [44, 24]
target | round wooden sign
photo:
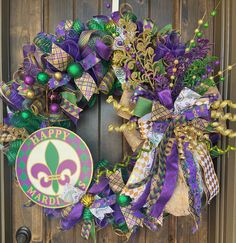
[54, 167]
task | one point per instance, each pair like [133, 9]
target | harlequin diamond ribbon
[201, 154]
[117, 184]
[71, 109]
[59, 58]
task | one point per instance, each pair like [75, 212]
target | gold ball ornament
[200, 21]
[58, 76]
[176, 61]
[30, 94]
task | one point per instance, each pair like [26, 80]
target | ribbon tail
[169, 181]
[86, 229]
[191, 178]
[107, 82]
[143, 198]
[93, 232]
[71, 110]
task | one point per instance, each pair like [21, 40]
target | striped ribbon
[107, 82]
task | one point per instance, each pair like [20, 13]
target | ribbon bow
[174, 135]
[89, 208]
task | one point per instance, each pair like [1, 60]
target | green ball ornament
[25, 115]
[206, 25]
[213, 13]
[193, 45]
[123, 200]
[222, 79]
[199, 34]
[42, 78]
[75, 70]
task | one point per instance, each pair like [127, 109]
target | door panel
[27, 18]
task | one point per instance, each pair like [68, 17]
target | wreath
[168, 97]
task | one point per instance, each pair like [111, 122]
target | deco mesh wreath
[168, 96]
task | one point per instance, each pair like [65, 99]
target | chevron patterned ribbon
[159, 177]
[86, 228]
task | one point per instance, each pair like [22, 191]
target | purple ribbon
[171, 45]
[89, 61]
[165, 98]
[99, 187]
[201, 111]
[169, 183]
[143, 198]
[71, 47]
[103, 50]
[74, 217]
[77, 211]
[104, 202]
[115, 16]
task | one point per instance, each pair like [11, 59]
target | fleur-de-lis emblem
[54, 174]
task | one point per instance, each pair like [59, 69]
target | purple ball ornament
[54, 108]
[29, 80]
[120, 43]
[217, 62]
[209, 69]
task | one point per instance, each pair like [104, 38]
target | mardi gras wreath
[173, 112]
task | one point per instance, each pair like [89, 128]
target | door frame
[5, 170]
[222, 212]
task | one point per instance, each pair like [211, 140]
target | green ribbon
[216, 151]
[12, 151]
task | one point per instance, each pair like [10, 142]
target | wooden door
[22, 20]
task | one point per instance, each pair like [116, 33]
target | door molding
[222, 213]
[5, 170]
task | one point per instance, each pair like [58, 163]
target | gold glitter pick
[139, 59]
